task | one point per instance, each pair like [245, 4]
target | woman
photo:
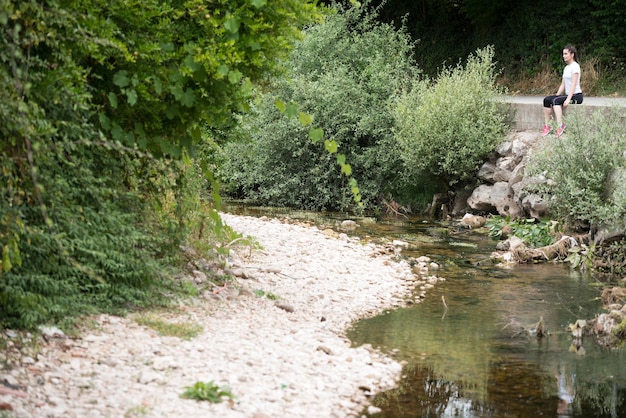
[570, 85]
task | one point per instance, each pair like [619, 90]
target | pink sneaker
[560, 130]
[545, 131]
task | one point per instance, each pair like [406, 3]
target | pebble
[289, 362]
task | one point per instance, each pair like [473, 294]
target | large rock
[505, 188]
[535, 206]
[496, 198]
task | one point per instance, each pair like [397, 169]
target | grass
[269, 295]
[182, 330]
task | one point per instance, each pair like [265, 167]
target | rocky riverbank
[283, 357]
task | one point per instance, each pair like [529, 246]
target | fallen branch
[8, 391]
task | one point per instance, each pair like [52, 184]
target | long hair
[572, 50]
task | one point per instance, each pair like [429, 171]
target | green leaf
[105, 122]
[341, 159]
[131, 97]
[191, 63]
[346, 169]
[171, 111]
[316, 134]
[113, 100]
[222, 70]
[142, 142]
[186, 141]
[234, 76]
[292, 110]
[246, 87]
[120, 79]
[280, 105]
[232, 23]
[305, 119]
[188, 98]
[331, 146]
[258, 3]
[6, 260]
[196, 134]
[117, 132]
[158, 87]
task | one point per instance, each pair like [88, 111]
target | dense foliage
[528, 36]
[91, 94]
[346, 74]
[587, 171]
[447, 128]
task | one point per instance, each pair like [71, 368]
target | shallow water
[479, 355]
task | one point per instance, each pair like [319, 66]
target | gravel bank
[281, 358]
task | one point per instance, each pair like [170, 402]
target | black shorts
[550, 101]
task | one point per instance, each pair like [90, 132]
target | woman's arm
[571, 91]
[561, 89]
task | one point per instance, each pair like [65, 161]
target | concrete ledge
[527, 111]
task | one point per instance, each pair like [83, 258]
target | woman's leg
[547, 114]
[557, 106]
[558, 114]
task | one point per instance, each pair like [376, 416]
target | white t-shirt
[568, 72]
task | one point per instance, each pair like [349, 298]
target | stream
[470, 347]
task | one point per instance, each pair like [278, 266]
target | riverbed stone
[276, 363]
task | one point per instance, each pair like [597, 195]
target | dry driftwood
[557, 250]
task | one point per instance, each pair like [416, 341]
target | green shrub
[585, 169]
[346, 73]
[447, 127]
[91, 242]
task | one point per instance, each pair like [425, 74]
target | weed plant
[207, 391]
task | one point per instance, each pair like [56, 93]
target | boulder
[535, 206]
[498, 197]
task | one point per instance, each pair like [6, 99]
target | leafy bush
[585, 170]
[446, 128]
[346, 73]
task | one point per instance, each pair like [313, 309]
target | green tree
[346, 74]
